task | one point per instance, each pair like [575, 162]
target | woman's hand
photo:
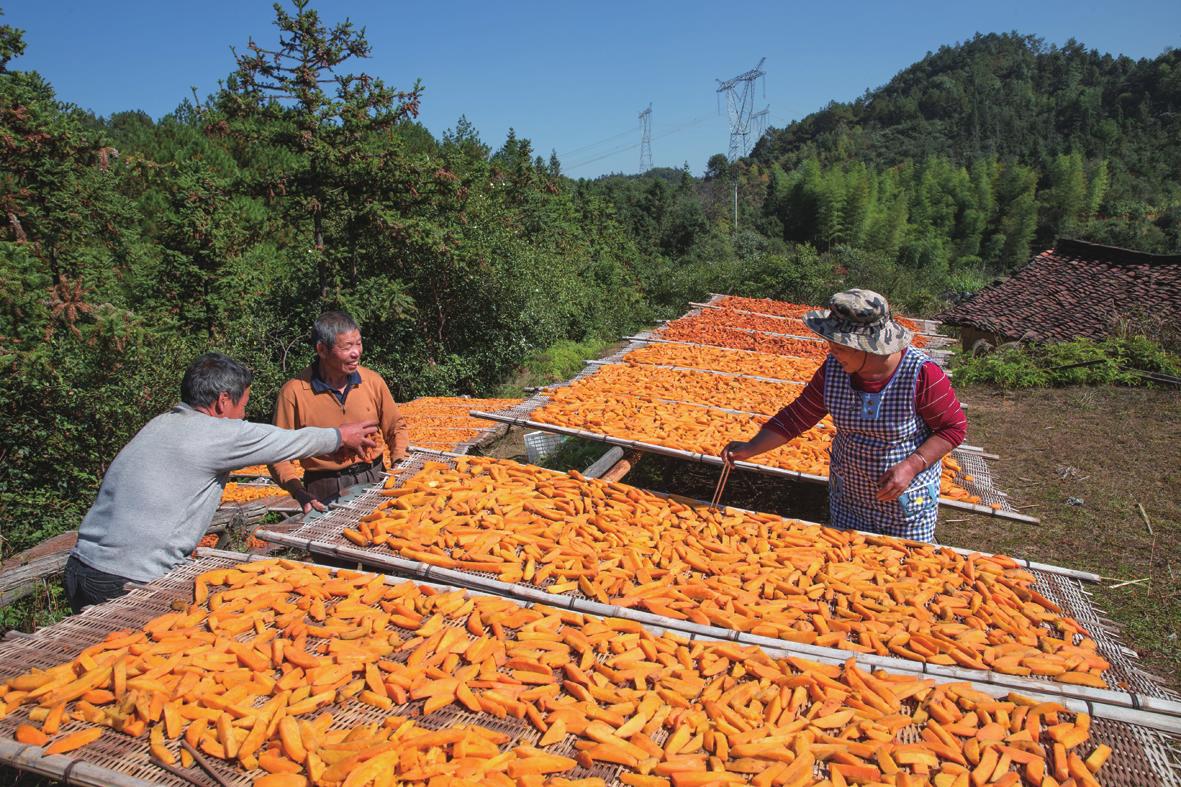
[895, 480]
[738, 451]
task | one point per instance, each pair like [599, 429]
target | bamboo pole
[63, 768]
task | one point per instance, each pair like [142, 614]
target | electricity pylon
[739, 106]
[740, 102]
[646, 139]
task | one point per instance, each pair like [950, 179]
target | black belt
[353, 470]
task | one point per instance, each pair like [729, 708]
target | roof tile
[1075, 290]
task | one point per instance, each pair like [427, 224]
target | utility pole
[740, 106]
[646, 139]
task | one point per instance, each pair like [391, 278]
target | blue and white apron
[874, 432]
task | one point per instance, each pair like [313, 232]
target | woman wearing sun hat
[895, 413]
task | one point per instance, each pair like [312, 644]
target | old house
[1074, 290]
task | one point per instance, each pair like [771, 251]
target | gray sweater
[158, 496]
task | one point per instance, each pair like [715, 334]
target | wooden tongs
[727, 466]
[188, 775]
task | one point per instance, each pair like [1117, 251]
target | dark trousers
[328, 487]
[86, 586]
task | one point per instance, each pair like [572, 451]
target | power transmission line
[759, 121]
[646, 139]
[624, 148]
[603, 141]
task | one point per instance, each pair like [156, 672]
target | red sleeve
[804, 412]
[937, 404]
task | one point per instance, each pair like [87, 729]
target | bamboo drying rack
[1144, 742]
[325, 537]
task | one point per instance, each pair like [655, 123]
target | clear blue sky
[571, 77]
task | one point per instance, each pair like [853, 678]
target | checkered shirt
[873, 433]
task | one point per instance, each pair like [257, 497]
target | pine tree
[322, 141]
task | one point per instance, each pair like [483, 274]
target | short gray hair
[211, 375]
[329, 325]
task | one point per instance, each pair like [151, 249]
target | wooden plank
[604, 462]
[63, 542]
[19, 580]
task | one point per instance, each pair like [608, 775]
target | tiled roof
[1076, 290]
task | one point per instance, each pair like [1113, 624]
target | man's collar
[318, 384]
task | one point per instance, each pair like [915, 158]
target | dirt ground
[1084, 460]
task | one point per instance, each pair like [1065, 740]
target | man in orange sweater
[333, 390]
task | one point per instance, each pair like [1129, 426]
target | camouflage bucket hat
[860, 319]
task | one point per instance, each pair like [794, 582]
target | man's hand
[310, 503]
[296, 489]
[737, 451]
[354, 438]
[895, 480]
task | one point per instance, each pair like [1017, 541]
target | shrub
[1115, 361]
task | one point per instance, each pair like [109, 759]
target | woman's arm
[804, 412]
[767, 439]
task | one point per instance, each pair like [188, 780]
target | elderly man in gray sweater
[160, 493]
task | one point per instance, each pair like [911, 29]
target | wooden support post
[604, 463]
[622, 467]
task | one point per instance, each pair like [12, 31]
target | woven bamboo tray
[995, 502]
[1142, 757]
[928, 329]
[486, 435]
[614, 362]
[1129, 686]
[939, 356]
[118, 759]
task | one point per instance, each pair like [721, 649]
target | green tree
[1065, 200]
[1017, 191]
[12, 44]
[1097, 188]
[315, 142]
[70, 391]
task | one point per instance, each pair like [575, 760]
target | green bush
[560, 361]
[44, 607]
[1079, 362]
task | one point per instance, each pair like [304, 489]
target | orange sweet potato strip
[732, 713]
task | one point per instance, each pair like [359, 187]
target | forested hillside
[129, 245]
[979, 150]
[958, 169]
